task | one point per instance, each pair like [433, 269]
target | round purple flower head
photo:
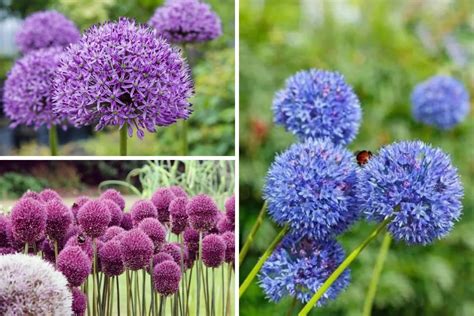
[127, 222]
[114, 195]
[142, 209]
[162, 199]
[191, 239]
[74, 264]
[94, 218]
[120, 74]
[178, 191]
[202, 212]
[213, 250]
[441, 101]
[28, 90]
[155, 230]
[78, 203]
[178, 215]
[79, 302]
[311, 186]
[161, 257]
[417, 186]
[230, 209]
[116, 213]
[46, 29]
[111, 258]
[73, 230]
[59, 218]
[229, 240]
[137, 249]
[186, 21]
[298, 268]
[48, 195]
[28, 220]
[47, 247]
[6, 251]
[5, 228]
[318, 104]
[81, 241]
[111, 233]
[225, 225]
[166, 278]
[32, 195]
[174, 250]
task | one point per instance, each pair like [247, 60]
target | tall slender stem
[26, 248]
[128, 292]
[253, 231]
[137, 295]
[86, 286]
[55, 251]
[262, 260]
[143, 292]
[198, 276]
[53, 140]
[152, 305]
[94, 288]
[369, 299]
[223, 289]
[213, 302]
[110, 302]
[123, 140]
[118, 294]
[184, 138]
[350, 258]
[292, 306]
[229, 281]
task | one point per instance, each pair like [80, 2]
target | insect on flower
[81, 239]
[363, 156]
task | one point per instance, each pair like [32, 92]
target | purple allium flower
[417, 186]
[230, 209]
[111, 233]
[94, 218]
[186, 21]
[6, 251]
[174, 250]
[32, 195]
[116, 213]
[28, 90]
[142, 209]
[127, 222]
[137, 249]
[166, 278]
[225, 225]
[161, 257]
[28, 220]
[229, 240]
[59, 218]
[202, 212]
[75, 264]
[155, 230]
[178, 215]
[47, 247]
[298, 268]
[49, 194]
[73, 230]
[5, 228]
[79, 302]
[78, 203]
[311, 186]
[114, 195]
[31, 286]
[162, 199]
[46, 29]
[120, 73]
[213, 250]
[318, 104]
[191, 239]
[81, 241]
[441, 101]
[111, 258]
[178, 191]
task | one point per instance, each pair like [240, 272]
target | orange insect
[363, 157]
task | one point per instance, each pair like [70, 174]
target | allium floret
[111, 258]
[178, 215]
[155, 230]
[114, 195]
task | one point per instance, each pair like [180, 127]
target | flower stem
[118, 294]
[369, 299]
[262, 260]
[128, 292]
[55, 251]
[229, 281]
[184, 138]
[340, 269]
[123, 140]
[94, 288]
[26, 248]
[198, 277]
[53, 140]
[256, 226]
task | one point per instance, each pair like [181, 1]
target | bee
[81, 239]
[363, 157]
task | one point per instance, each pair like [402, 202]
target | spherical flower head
[311, 187]
[225, 225]
[47, 247]
[46, 29]
[162, 199]
[417, 186]
[82, 241]
[114, 195]
[166, 278]
[120, 74]
[28, 90]
[318, 104]
[49, 194]
[127, 222]
[111, 258]
[79, 302]
[191, 239]
[202, 212]
[155, 230]
[6, 251]
[229, 240]
[59, 218]
[28, 220]
[31, 286]
[186, 21]
[78, 203]
[174, 250]
[230, 209]
[178, 215]
[32, 195]
[178, 191]
[116, 213]
[161, 257]
[441, 101]
[142, 209]
[94, 218]
[73, 230]
[5, 228]
[111, 233]
[74, 264]
[213, 250]
[137, 249]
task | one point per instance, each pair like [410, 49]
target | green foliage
[13, 184]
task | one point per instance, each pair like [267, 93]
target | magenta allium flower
[230, 209]
[137, 249]
[186, 21]
[111, 233]
[178, 191]
[120, 73]
[161, 257]
[49, 194]
[191, 239]
[74, 264]
[115, 196]
[213, 250]
[225, 225]
[155, 230]
[116, 213]
[5, 228]
[127, 222]
[94, 218]
[174, 250]
[142, 209]
[178, 215]
[47, 248]
[78, 203]
[229, 240]
[166, 278]
[46, 29]
[32, 195]
[202, 212]
[73, 230]
[81, 241]
[111, 258]
[28, 220]
[6, 251]
[59, 218]
[162, 199]
[79, 302]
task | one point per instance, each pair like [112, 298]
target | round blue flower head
[441, 101]
[318, 103]
[298, 267]
[415, 184]
[311, 186]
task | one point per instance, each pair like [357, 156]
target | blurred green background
[383, 48]
[211, 126]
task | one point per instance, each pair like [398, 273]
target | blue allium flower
[298, 267]
[417, 185]
[120, 73]
[317, 104]
[441, 101]
[46, 29]
[311, 186]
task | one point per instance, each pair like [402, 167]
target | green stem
[110, 302]
[152, 303]
[55, 250]
[94, 289]
[229, 281]
[184, 138]
[53, 140]
[262, 260]
[198, 277]
[256, 226]
[128, 292]
[26, 248]
[292, 307]
[143, 292]
[350, 258]
[213, 302]
[223, 289]
[118, 294]
[123, 140]
[138, 307]
[369, 299]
